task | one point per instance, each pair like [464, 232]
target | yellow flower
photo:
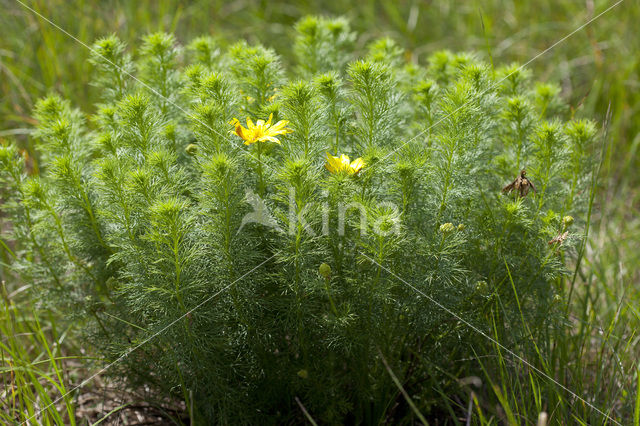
[261, 131]
[343, 164]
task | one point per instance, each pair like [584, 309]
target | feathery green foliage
[156, 225]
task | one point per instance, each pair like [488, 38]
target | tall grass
[32, 369]
[596, 66]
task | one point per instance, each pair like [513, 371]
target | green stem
[333, 306]
[440, 251]
[261, 186]
[443, 203]
[520, 136]
[65, 246]
[337, 126]
[178, 269]
[86, 204]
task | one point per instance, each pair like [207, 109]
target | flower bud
[446, 228]
[461, 227]
[567, 221]
[303, 374]
[191, 149]
[325, 271]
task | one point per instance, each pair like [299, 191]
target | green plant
[32, 374]
[140, 223]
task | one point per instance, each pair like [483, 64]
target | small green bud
[170, 131]
[567, 221]
[547, 90]
[447, 228]
[325, 270]
[191, 149]
[303, 374]
[557, 298]
[461, 227]
[512, 208]
[482, 287]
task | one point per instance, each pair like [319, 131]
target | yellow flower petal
[343, 164]
[270, 138]
[279, 126]
[261, 131]
[357, 165]
[332, 163]
[241, 131]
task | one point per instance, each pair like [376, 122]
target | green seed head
[567, 221]
[191, 149]
[482, 287]
[325, 270]
[447, 228]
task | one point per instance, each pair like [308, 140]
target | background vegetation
[598, 68]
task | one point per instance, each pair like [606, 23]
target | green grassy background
[598, 68]
[600, 60]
